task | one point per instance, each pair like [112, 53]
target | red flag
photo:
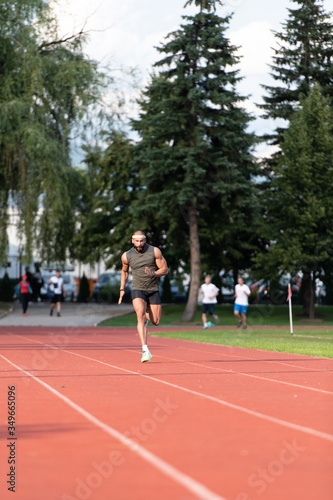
[289, 292]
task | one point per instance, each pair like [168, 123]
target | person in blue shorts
[242, 293]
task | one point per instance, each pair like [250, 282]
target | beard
[140, 249]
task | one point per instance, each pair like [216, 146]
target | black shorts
[209, 308]
[149, 297]
[56, 297]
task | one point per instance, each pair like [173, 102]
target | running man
[242, 293]
[209, 292]
[147, 265]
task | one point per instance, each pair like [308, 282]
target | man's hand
[122, 293]
[149, 272]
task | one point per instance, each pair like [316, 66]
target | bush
[6, 289]
[84, 290]
[216, 280]
[167, 297]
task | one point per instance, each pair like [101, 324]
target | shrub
[84, 291]
[6, 289]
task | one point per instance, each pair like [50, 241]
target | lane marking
[278, 421]
[222, 370]
[198, 489]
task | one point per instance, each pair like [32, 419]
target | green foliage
[46, 86]
[303, 58]
[167, 297]
[216, 279]
[109, 187]
[194, 155]
[84, 290]
[6, 289]
[298, 201]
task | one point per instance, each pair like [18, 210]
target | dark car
[108, 286]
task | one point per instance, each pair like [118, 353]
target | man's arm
[161, 264]
[123, 277]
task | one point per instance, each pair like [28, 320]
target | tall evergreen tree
[195, 153]
[304, 56]
[298, 205]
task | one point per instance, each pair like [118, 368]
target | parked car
[70, 286]
[107, 288]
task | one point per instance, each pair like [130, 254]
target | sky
[124, 33]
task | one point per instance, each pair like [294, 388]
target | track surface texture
[199, 421]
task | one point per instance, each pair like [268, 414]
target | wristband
[122, 290]
[153, 273]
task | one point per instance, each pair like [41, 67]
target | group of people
[147, 265]
[26, 289]
[209, 292]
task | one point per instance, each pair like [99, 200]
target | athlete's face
[139, 244]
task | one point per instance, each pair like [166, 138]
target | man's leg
[52, 305]
[244, 321]
[154, 313]
[237, 315]
[59, 305]
[140, 307]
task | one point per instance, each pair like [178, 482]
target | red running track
[198, 421]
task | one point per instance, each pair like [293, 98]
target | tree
[298, 204]
[105, 215]
[304, 56]
[46, 86]
[194, 154]
[84, 290]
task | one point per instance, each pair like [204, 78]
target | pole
[290, 310]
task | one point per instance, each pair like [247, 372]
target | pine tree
[304, 56]
[298, 205]
[194, 154]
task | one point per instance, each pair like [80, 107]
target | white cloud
[254, 41]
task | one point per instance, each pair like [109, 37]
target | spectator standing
[56, 285]
[37, 283]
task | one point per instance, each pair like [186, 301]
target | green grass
[4, 306]
[308, 341]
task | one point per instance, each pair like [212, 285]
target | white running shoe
[146, 356]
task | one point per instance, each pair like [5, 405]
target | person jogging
[23, 291]
[147, 265]
[242, 293]
[209, 292]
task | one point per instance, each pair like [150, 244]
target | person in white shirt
[209, 292]
[242, 293]
[56, 285]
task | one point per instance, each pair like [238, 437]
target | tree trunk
[308, 287]
[192, 300]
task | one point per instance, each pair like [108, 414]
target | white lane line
[222, 370]
[198, 489]
[278, 421]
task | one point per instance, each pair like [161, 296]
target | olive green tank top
[138, 263]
